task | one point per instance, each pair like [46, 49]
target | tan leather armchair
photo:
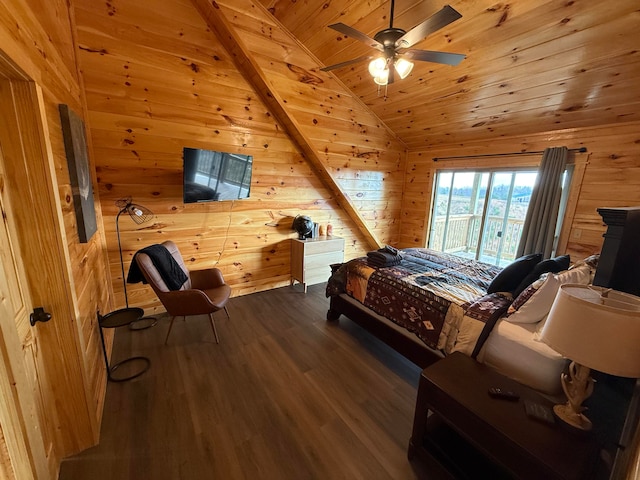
[204, 292]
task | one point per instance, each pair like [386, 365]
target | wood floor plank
[285, 395]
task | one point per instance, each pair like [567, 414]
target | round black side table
[115, 319]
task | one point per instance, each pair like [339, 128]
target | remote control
[504, 394]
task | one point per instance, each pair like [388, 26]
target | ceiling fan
[394, 45]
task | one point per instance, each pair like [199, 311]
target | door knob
[39, 315]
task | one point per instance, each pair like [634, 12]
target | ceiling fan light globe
[403, 67]
[377, 66]
[382, 78]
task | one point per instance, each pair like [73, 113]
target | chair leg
[170, 327]
[226, 311]
[213, 326]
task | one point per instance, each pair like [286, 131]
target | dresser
[311, 259]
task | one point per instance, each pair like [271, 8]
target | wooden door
[26, 443]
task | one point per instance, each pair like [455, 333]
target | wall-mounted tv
[211, 176]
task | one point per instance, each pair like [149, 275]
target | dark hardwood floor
[285, 395]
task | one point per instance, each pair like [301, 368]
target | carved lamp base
[575, 419]
[577, 386]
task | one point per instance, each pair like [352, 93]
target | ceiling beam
[255, 76]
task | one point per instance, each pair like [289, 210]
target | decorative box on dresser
[311, 259]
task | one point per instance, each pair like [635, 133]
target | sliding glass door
[479, 214]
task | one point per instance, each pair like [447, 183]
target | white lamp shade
[376, 66]
[383, 78]
[403, 67]
[379, 70]
[596, 327]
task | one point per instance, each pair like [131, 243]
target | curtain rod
[435, 159]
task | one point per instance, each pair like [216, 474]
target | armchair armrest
[206, 278]
[186, 302]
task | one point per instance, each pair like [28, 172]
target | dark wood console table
[463, 432]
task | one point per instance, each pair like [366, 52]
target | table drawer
[318, 275]
[322, 260]
[329, 245]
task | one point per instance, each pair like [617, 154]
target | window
[480, 214]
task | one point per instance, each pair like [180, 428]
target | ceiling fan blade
[432, 24]
[353, 33]
[435, 57]
[348, 62]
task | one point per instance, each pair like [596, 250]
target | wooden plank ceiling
[531, 66]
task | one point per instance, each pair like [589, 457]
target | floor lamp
[139, 214]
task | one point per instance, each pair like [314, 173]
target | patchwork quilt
[439, 297]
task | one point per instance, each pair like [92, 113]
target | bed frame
[401, 340]
[620, 250]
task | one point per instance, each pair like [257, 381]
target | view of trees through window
[480, 214]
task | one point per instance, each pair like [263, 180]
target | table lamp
[596, 328]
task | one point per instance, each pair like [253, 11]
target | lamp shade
[596, 327]
[379, 70]
[376, 66]
[403, 67]
[383, 78]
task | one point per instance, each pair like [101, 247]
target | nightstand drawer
[322, 260]
[323, 246]
[317, 275]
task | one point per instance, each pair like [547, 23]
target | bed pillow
[534, 303]
[553, 265]
[591, 261]
[510, 277]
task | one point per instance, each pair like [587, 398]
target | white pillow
[580, 275]
[534, 303]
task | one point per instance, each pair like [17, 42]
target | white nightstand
[310, 259]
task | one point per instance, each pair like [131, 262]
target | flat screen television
[212, 176]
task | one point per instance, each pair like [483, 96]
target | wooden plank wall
[611, 178]
[38, 36]
[157, 80]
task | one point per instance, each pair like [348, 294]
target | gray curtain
[540, 223]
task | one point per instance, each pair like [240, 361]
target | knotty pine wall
[158, 80]
[608, 175]
[38, 36]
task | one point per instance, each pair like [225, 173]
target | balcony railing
[460, 234]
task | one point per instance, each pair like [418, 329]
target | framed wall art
[75, 146]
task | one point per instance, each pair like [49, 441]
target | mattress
[512, 350]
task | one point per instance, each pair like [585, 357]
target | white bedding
[512, 350]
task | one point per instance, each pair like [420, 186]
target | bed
[429, 304]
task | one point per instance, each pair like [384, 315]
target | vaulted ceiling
[531, 66]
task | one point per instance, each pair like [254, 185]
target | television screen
[211, 176]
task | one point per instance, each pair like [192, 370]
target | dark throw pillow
[511, 275]
[553, 265]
